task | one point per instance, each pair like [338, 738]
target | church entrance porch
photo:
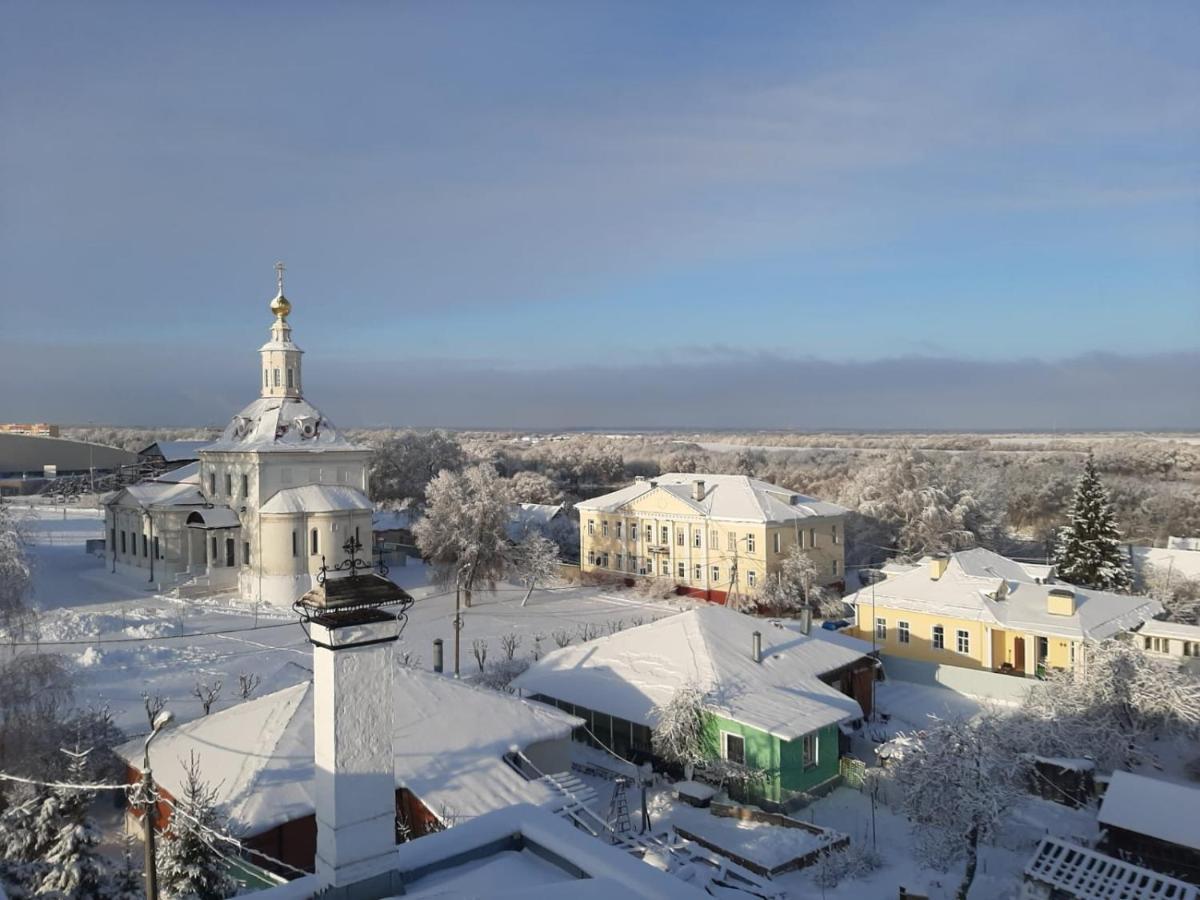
[212, 547]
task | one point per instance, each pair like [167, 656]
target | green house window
[809, 743]
[735, 747]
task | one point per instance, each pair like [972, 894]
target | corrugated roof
[628, 673]
[736, 498]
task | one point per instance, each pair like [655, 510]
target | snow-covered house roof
[449, 742]
[735, 498]
[629, 673]
[1088, 875]
[316, 498]
[1179, 563]
[979, 585]
[185, 474]
[524, 852]
[1160, 809]
[158, 494]
[175, 451]
[280, 423]
[526, 517]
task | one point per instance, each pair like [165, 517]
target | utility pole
[150, 806]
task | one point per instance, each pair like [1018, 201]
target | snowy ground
[125, 638]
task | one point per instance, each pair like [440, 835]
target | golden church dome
[281, 306]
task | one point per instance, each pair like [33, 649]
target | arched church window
[295, 543]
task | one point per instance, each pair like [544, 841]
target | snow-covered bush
[533, 561]
[499, 675]
[845, 864]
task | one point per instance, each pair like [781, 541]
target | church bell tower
[280, 357]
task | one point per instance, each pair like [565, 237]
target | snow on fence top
[980, 585]
[449, 742]
[737, 498]
[629, 673]
[1160, 809]
[1088, 875]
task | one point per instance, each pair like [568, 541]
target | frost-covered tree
[404, 464]
[911, 497]
[1179, 596]
[956, 782]
[189, 868]
[15, 575]
[797, 585]
[534, 561]
[533, 487]
[679, 734]
[21, 865]
[1089, 549]
[465, 528]
[75, 867]
[1113, 706]
[128, 880]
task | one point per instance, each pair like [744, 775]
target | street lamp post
[150, 519]
[150, 807]
[458, 619]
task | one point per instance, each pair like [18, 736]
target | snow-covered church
[277, 493]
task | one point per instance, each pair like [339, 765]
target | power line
[64, 785]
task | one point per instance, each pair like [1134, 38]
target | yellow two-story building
[980, 610]
[716, 536]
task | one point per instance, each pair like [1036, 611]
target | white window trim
[725, 746]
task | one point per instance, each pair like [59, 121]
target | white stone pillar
[353, 707]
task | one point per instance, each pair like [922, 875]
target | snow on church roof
[280, 423]
[736, 498]
[315, 498]
[1151, 806]
[628, 673]
[449, 742]
[968, 590]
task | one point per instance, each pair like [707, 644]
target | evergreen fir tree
[1089, 549]
[188, 866]
[75, 868]
[128, 880]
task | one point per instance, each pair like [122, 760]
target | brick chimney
[352, 630]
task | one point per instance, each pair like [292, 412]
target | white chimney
[698, 489]
[353, 704]
[938, 563]
[805, 620]
[756, 646]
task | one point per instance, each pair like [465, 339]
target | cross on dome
[280, 305]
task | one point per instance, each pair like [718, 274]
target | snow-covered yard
[125, 638]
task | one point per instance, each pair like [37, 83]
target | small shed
[1154, 822]
[1071, 782]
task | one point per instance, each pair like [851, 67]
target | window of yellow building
[696, 537]
[681, 570]
[680, 538]
[696, 572]
[938, 636]
[604, 528]
[902, 632]
[666, 567]
[749, 543]
[716, 573]
[963, 641]
[833, 531]
[619, 530]
[881, 629]
[731, 541]
[591, 526]
[751, 578]
[666, 534]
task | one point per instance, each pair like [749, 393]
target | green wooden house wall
[783, 761]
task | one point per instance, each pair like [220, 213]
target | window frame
[937, 637]
[741, 738]
[962, 641]
[881, 628]
[903, 632]
[810, 751]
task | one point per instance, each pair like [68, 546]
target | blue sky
[521, 193]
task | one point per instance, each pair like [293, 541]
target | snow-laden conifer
[1089, 551]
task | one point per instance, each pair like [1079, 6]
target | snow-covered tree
[797, 585]
[128, 881]
[1179, 596]
[679, 734]
[465, 528]
[915, 504]
[533, 487]
[1113, 706]
[1089, 549]
[189, 868]
[955, 783]
[75, 868]
[15, 575]
[404, 464]
[535, 561]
